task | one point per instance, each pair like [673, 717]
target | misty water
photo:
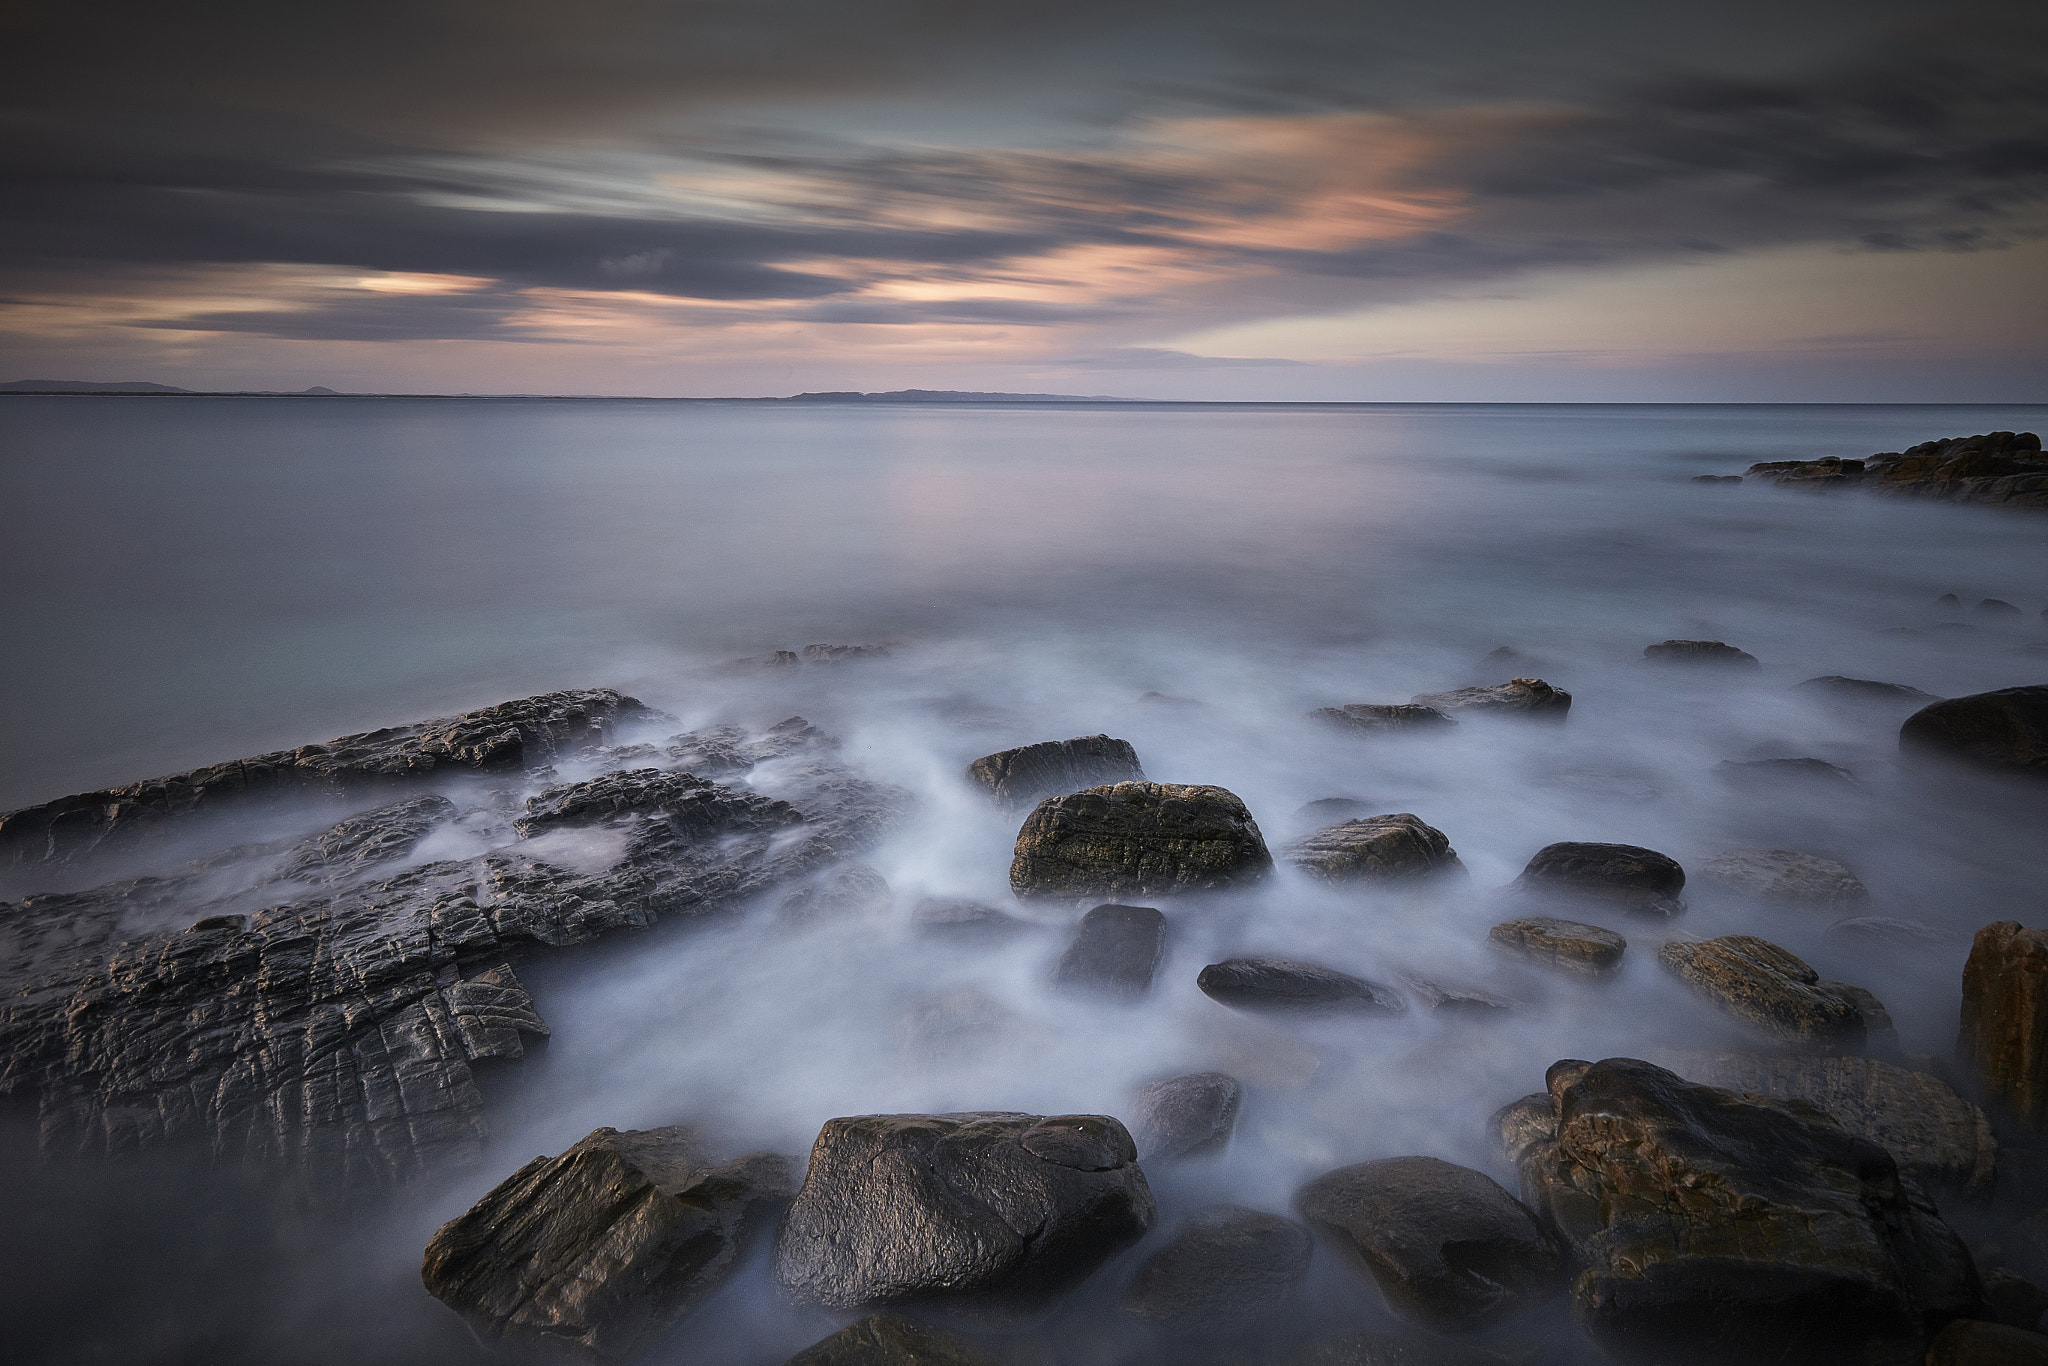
[191, 580]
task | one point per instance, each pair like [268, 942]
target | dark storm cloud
[483, 316]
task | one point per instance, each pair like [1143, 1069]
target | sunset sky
[1792, 200]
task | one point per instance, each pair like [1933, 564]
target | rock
[1449, 1249]
[1272, 984]
[841, 894]
[347, 848]
[1114, 952]
[1325, 810]
[991, 1216]
[1394, 848]
[1774, 772]
[1997, 467]
[1530, 697]
[2013, 1300]
[964, 922]
[1769, 989]
[1824, 475]
[1717, 479]
[840, 654]
[584, 1256]
[1640, 881]
[1700, 652]
[2003, 1042]
[1383, 1349]
[1584, 949]
[1186, 1116]
[1949, 602]
[1937, 1138]
[2005, 730]
[1383, 718]
[1836, 687]
[1786, 877]
[511, 735]
[683, 803]
[1449, 999]
[1973, 1342]
[719, 751]
[1024, 777]
[1884, 935]
[1138, 839]
[1718, 1228]
[1224, 1267]
[886, 1340]
[1997, 607]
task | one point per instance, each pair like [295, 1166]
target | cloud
[1158, 358]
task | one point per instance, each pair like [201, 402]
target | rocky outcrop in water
[887, 1340]
[1383, 718]
[1787, 877]
[1771, 990]
[349, 847]
[2002, 468]
[585, 1256]
[1812, 476]
[990, 1217]
[2005, 731]
[1114, 952]
[1640, 881]
[1392, 848]
[1570, 945]
[1223, 1268]
[1841, 689]
[1701, 652]
[1022, 777]
[1283, 984]
[1530, 697]
[1185, 1116]
[1138, 839]
[2003, 1042]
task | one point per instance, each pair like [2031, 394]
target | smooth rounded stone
[583, 1257]
[1768, 988]
[2013, 1300]
[1713, 1227]
[1974, 1342]
[1114, 952]
[2005, 730]
[1383, 718]
[1587, 950]
[1885, 935]
[991, 1217]
[1454, 998]
[839, 895]
[2003, 1043]
[1449, 1248]
[1788, 877]
[1021, 777]
[1224, 1267]
[1641, 881]
[1384, 1349]
[1530, 697]
[887, 1340]
[1138, 839]
[1761, 772]
[1701, 652]
[964, 922]
[1392, 848]
[1284, 984]
[1185, 1116]
[1838, 688]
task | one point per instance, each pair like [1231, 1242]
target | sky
[1472, 200]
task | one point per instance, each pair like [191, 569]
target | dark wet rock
[1640, 881]
[1385, 1349]
[1974, 1342]
[2013, 1300]
[1138, 839]
[1717, 479]
[1154, 698]
[655, 800]
[2003, 1042]
[585, 1256]
[964, 922]
[1712, 652]
[887, 1340]
[1787, 877]
[1453, 998]
[347, 848]
[1185, 1116]
[1224, 1267]
[1769, 989]
[1764, 773]
[747, 664]
[1383, 718]
[1115, 951]
[509, 736]
[1718, 1228]
[1884, 934]
[2002, 468]
[991, 1216]
[1996, 607]
[1937, 1138]
[1449, 1249]
[1022, 777]
[721, 751]
[2005, 730]
[1949, 602]
[1283, 984]
[1530, 697]
[840, 654]
[841, 894]
[1587, 950]
[1324, 810]
[1826, 474]
[1864, 690]
[1391, 848]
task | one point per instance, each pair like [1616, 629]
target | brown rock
[1787, 877]
[1020, 777]
[2005, 730]
[1530, 697]
[1584, 949]
[1138, 839]
[1768, 988]
[2004, 1037]
[1700, 652]
[1390, 848]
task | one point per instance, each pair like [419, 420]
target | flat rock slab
[1138, 839]
[585, 1256]
[990, 1217]
[1225, 1267]
[2005, 730]
[1448, 1248]
[1709, 652]
[1114, 952]
[1391, 848]
[1788, 877]
[1770, 989]
[1530, 697]
[1641, 881]
[1021, 777]
[1185, 1116]
[887, 1340]
[1571, 945]
[351, 846]
[1383, 718]
[1288, 985]
[2004, 1036]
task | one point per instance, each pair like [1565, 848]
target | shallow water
[192, 580]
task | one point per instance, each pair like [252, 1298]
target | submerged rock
[840, 895]
[1186, 1116]
[2003, 1042]
[1390, 848]
[1138, 839]
[1842, 689]
[887, 1340]
[1023, 777]
[585, 1256]
[1114, 952]
[1763, 773]
[1769, 989]
[351, 846]
[1701, 652]
[965, 922]
[1641, 881]
[1530, 697]
[1283, 984]
[1225, 1267]
[1787, 877]
[2005, 730]
[1383, 718]
[1586, 950]
[1885, 935]
[989, 1216]
[1445, 998]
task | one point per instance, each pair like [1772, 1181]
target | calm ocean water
[190, 580]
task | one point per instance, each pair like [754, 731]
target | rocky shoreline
[2001, 469]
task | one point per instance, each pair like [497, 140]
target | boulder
[1224, 1267]
[1996, 607]
[1715, 1229]
[886, 1340]
[585, 1256]
[2004, 468]
[1282, 984]
[987, 1216]
[1114, 952]
[1026, 776]
[2013, 1300]
[2005, 730]
[1769, 989]
[1383, 718]
[1640, 881]
[1393, 848]
[1787, 877]
[964, 922]
[1886, 935]
[1448, 998]
[1449, 1249]
[1837, 688]
[1384, 1349]
[1824, 475]
[2003, 1042]
[1138, 839]
[1186, 1116]
[1584, 949]
[1530, 697]
[1712, 652]
[1973, 1342]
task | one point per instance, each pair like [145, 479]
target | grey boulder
[1383, 718]
[1788, 877]
[1224, 1267]
[1640, 881]
[1114, 952]
[1526, 697]
[1709, 652]
[1138, 839]
[1186, 1115]
[1391, 848]
[1286, 985]
[1021, 777]
[2005, 731]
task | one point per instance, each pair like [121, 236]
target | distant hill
[88, 386]
[949, 396]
